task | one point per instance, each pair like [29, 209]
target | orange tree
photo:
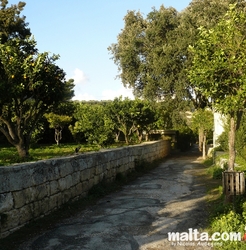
[30, 85]
[219, 67]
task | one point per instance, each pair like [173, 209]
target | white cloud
[84, 97]
[79, 77]
[110, 94]
[107, 94]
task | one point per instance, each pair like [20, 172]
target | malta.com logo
[194, 238]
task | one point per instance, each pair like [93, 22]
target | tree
[58, 122]
[131, 117]
[143, 116]
[120, 114]
[92, 120]
[204, 13]
[31, 84]
[12, 25]
[152, 53]
[144, 55]
[218, 69]
[202, 121]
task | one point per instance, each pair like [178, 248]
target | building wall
[218, 127]
[29, 191]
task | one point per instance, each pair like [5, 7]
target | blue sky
[80, 31]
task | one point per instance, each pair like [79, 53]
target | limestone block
[41, 191]
[45, 205]
[14, 178]
[6, 202]
[96, 179]
[82, 163]
[92, 171]
[99, 169]
[102, 176]
[62, 184]
[53, 173]
[75, 164]
[91, 159]
[65, 169]
[66, 196]
[26, 196]
[53, 202]
[79, 189]
[20, 198]
[76, 177]
[40, 173]
[91, 183]
[85, 186]
[69, 181]
[11, 220]
[58, 198]
[36, 209]
[85, 175]
[73, 192]
[54, 187]
[25, 214]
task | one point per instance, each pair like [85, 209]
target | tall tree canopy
[12, 25]
[152, 52]
[219, 66]
[31, 84]
[144, 54]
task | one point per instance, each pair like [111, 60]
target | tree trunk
[147, 136]
[140, 136]
[231, 142]
[58, 135]
[204, 153]
[22, 150]
[117, 135]
[201, 138]
[127, 139]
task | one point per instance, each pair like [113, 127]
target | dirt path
[170, 198]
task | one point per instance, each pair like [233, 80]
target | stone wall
[31, 190]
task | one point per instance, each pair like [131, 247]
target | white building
[218, 127]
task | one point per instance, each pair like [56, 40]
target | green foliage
[132, 117]
[208, 162]
[31, 84]
[94, 123]
[216, 172]
[144, 53]
[57, 120]
[12, 24]
[202, 119]
[219, 59]
[102, 122]
[229, 222]
[219, 56]
[152, 53]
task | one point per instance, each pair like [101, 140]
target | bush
[226, 223]
[217, 173]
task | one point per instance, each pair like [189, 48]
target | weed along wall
[31, 190]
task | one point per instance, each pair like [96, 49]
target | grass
[9, 155]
